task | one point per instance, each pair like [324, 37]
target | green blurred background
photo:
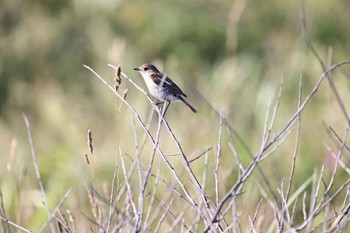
[233, 52]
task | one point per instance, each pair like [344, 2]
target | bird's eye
[146, 68]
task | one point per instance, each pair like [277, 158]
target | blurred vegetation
[233, 52]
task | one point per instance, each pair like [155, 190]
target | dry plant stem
[63, 224]
[204, 179]
[218, 156]
[282, 214]
[163, 215]
[255, 217]
[100, 228]
[205, 171]
[273, 150]
[337, 158]
[278, 220]
[313, 196]
[338, 137]
[195, 224]
[63, 221]
[171, 191]
[5, 225]
[182, 226]
[146, 225]
[341, 149]
[296, 143]
[171, 187]
[160, 206]
[273, 206]
[294, 211]
[110, 214]
[321, 206]
[265, 134]
[230, 228]
[126, 179]
[141, 194]
[91, 164]
[36, 169]
[343, 213]
[193, 203]
[15, 225]
[286, 199]
[304, 207]
[178, 218]
[57, 208]
[148, 172]
[265, 138]
[189, 170]
[275, 110]
[200, 155]
[271, 203]
[325, 219]
[341, 163]
[238, 161]
[121, 191]
[231, 203]
[235, 216]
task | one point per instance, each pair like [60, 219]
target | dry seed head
[87, 159]
[92, 201]
[117, 78]
[60, 227]
[119, 71]
[64, 224]
[89, 136]
[72, 220]
[125, 93]
[116, 86]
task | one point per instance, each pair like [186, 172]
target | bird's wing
[167, 83]
[173, 87]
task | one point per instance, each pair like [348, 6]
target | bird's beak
[137, 69]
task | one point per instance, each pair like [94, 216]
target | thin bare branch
[37, 171]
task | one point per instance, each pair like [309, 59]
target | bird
[161, 86]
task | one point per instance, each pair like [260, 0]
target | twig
[218, 156]
[59, 205]
[126, 179]
[5, 225]
[163, 215]
[150, 205]
[15, 225]
[36, 169]
[255, 216]
[291, 176]
[200, 155]
[110, 214]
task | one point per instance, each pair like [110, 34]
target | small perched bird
[161, 86]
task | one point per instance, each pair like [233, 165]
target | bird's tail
[187, 104]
